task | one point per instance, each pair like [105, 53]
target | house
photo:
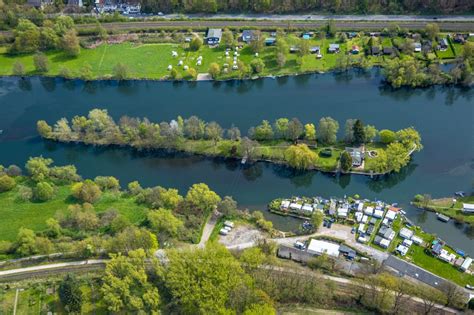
[403, 250]
[459, 38]
[417, 47]
[358, 216]
[333, 48]
[443, 44]
[466, 264]
[369, 211]
[375, 50]
[285, 204]
[318, 247]
[347, 252]
[446, 256]
[468, 207]
[357, 156]
[382, 242]
[365, 219]
[407, 243]
[360, 206]
[361, 229]
[315, 50]
[388, 50]
[295, 206]
[387, 233]
[355, 50]
[248, 36]
[391, 215]
[362, 239]
[214, 36]
[351, 34]
[342, 212]
[270, 41]
[373, 221]
[307, 208]
[378, 213]
[436, 249]
[370, 230]
[406, 233]
[417, 240]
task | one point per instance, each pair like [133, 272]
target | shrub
[43, 191]
[86, 191]
[387, 136]
[41, 62]
[195, 44]
[6, 183]
[13, 171]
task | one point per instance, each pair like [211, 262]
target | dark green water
[443, 116]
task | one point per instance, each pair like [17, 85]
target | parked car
[299, 245]
[470, 287]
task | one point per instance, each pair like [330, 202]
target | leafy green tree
[310, 132]
[214, 70]
[380, 163]
[214, 131]
[346, 161]
[107, 183]
[38, 168]
[233, 133]
[6, 183]
[227, 39]
[349, 130]
[227, 206]
[70, 294]
[195, 44]
[281, 59]
[257, 65]
[260, 309]
[252, 258]
[121, 71]
[409, 137]
[327, 130]
[19, 69]
[387, 136]
[281, 127]
[303, 46]
[300, 156]
[331, 29]
[263, 131]
[201, 197]
[64, 174]
[159, 197]
[295, 129]
[359, 132]
[27, 37]
[86, 72]
[194, 128]
[86, 191]
[397, 156]
[317, 219]
[258, 42]
[432, 31]
[70, 43]
[200, 281]
[134, 188]
[126, 286]
[163, 222]
[64, 23]
[26, 242]
[133, 238]
[43, 191]
[54, 228]
[44, 129]
[370, 133]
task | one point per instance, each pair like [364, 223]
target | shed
[270, 41]
[285, 204]
[333, 48]
[369, 210]
[248, 36]
[406, 233]
[378, 214]
[214, 36]
[417, 240]
[468, 207]
[466, 264]
[315, 49]
[403, 250]
[318, 247]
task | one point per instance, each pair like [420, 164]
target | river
[444, 116]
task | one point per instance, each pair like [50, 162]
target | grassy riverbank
[448, 208]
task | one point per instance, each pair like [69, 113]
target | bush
[41, 62]
[25, 193]
[13, 171]
[86, 191]
[6, 183]
[43, 191]
[18, 68]
[387, 136]
[195, 44]
[257, 65]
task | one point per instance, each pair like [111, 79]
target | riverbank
[451, 207]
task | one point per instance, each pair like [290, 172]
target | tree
[310, 132]
[134, 188]
[317, 219]
[303, 46]
[359, 132]
[126, 287]
[397, 156]
[54, 228]
[107, 183]
[120, 71]
[257, 65]
[41, 62]
[387, 136]
[174, 74]
[38, 168]
[18, 69]
[281, 59]
[70, 294]
[86, 191]
[133, 238]
[370, 133]
[162, 221]
[26, 242]
[194, 128]
[227, 206]
[48, 39]
[331, 29]
[327, 130]
[349, 130]
[13, 171]
[300, 156]
[295, 129]
[64, 23]
[70, 43]
[27, 37]
[6, 183]
[43, 191]
[159, 197]
[281, 127]
[214, 132]
[432, 31]
[380, 163]
[282, 46]
[248, 147]
[44, 129]
[252, 258]
[214, 70]
[259, 309]
[233, 133]
[227, 39]
[346, 161]
[264, 131]
[409, 137]
[195, 44]
[200, 197]
[86, 72]
[200, 281]
[256, 45]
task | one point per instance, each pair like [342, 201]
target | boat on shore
[442, 217]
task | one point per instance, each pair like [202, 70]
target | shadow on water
[48, 83]
[391, 180]
[24, 84]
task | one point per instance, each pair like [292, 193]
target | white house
[295, 206]
[361, 228]
[468, 207]
[378, 214]
[369, 210]
[285, 204]
[446, 256]
[403, 250]
[417, 240]
[317, 247]
[342, 212]
[365, 218]
[384, 243]
[391, 215]
[406, 233]
[407, 243]
[307, 208]
[358, 216]
[466, 264]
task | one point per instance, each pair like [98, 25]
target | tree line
[297, 138]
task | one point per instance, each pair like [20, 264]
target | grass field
[445, 206]
[16, 214]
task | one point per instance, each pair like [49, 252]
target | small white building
[285, 204]
[369, 210]
[229, 224]
[446, 256]
[466, 264]
[362, 239]
[359, 216]
[384, 243]
[360, 206]
[295, 206]
[307, 208]
[361, 228]
[406, 233]
[378, 214]
[391, 215]
[342, 212]
[403, 250]
[318, 247]
[468, 207]
[417, 240]
[365, 219]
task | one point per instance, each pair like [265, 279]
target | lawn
[16, 214]
[445, 206]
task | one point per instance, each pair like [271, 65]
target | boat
[442, 217]
[460, 193]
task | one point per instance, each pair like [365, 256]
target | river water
[444, 116]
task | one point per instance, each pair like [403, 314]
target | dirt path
[206, 232]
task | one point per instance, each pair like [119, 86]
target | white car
[470, 287]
